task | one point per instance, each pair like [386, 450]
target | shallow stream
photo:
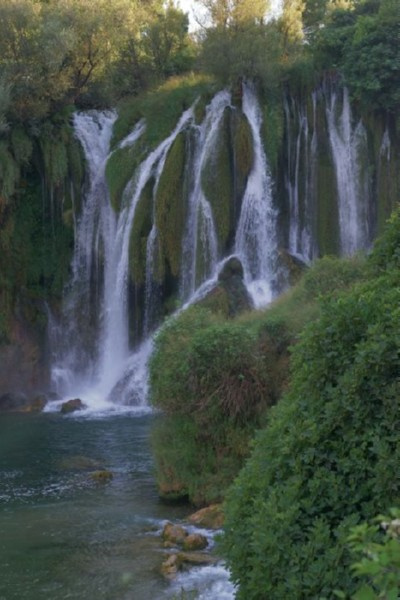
[64, 536]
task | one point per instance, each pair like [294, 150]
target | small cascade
[82, 305]
[115, 339]
[106, 369]
[348, 145]
[385, 149]
[200, 227]
[300, 179]
[256, 235]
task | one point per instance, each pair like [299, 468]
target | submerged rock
[72, 406]
[80, 463]
[210, 517]
[103, 476]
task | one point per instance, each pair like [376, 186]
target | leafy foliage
[216, 379]
[376, 545]
[329, 456]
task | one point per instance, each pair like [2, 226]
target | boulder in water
[18, 402]
[210, 517]
[180, 560]
[71, 406]
[171, 566]
[174, 534]
[195, 541]
[103, 476]
[197, 558]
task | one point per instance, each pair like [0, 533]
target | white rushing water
[92, 355]
[91, 345]
[256, 235]
[348, 144]
[300, 178]
[200, 227]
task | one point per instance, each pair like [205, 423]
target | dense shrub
[330, 454]
[216, 378]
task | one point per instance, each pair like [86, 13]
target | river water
[63, 536]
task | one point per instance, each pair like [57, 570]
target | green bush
[330, 454]
[215, 378]
[161, 108]
[376, 545]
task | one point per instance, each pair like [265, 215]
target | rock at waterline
[103, 476]
[210, 517]
[80, 463]
[195, 541]
[19, 402]
[71, 406]
[181, 560]
[229, 297]
[174, 534]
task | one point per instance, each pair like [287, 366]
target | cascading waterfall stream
[198, 205]
[256, 236]
[347, 145]
[93, 358]
[73, 363]
[300, 177]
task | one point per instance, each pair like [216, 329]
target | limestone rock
[171, 566]
[210, 517]
[174, 534]
[72, 406]
[18, 402]
[195, 541]
[37, 404]
[229, 297]
[196, 558]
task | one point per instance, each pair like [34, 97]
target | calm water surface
[62, 536]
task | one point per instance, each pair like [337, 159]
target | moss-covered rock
[170, 205]
[217, 182]
[273, 131]
[141, 227]
[210, 517]
[119, 171]
[71, 406]
[229, 297]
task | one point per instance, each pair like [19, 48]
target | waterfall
[256, 235]
[300, 179]
[106, 369]
[92, 342]
[200, 227]
[73, 363]
[348, 144]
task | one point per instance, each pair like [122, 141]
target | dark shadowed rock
[174, 534]
[71, 406]
[210, 517]
[102, 476]
[230, 296]
[195, 541]
[13, 402]
[18, 402]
